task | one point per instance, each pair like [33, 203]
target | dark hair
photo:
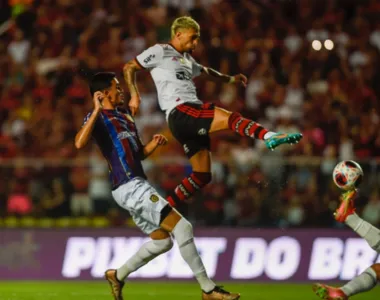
[101, 81]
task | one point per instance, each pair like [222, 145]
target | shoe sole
[323, 293]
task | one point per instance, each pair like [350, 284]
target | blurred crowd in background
[331, 96]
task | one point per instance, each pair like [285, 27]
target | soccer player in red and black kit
[115, 133]
[191, 121]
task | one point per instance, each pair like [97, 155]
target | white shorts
[143, 203]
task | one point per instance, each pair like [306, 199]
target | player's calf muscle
[159, 234]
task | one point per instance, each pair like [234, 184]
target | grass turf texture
[98, 290]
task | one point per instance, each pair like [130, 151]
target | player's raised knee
[161, 246]
[167, 244]
[186, 227]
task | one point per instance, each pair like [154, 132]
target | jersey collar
[171, 45]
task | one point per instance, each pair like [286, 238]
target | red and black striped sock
[246, 127]
[188, 187]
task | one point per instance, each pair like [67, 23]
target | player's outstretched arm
[84, 134]
[215, 75]
[158, 140]
[129, 72]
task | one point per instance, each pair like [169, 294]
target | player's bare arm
[84, 134]
[215, 75]
[158, 140]
[129, 72]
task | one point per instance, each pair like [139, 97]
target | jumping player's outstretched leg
[234, 121]
[191, 125]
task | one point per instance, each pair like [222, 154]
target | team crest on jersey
[153, 198]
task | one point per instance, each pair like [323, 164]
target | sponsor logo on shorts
[186, 148]
[202, 131]
[154, 198]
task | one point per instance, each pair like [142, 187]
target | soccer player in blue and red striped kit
[115, 133]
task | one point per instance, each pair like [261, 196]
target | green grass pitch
[98, 290]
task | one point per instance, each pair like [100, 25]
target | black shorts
[190, 124]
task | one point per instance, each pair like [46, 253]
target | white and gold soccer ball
[347, 175]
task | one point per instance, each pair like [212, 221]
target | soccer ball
[347, 175]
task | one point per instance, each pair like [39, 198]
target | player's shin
[188, 187]
[361, 283]
[247, 127]
[183, 234]
[145, 254]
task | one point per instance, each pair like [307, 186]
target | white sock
[145, 254]
[269, 134]
[361, 283]
[368, 232]
[183, 234]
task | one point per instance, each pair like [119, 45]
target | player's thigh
[159, 234]
[198, 152]
[170, 221]
[220, 121]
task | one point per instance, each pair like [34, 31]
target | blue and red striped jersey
[116, 135]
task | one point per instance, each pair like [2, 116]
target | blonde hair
[184, 23]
